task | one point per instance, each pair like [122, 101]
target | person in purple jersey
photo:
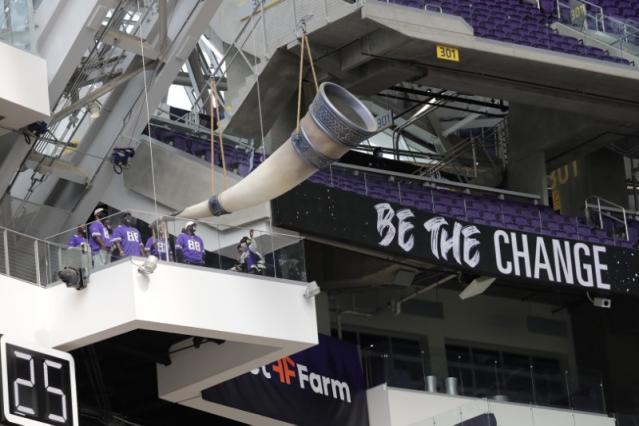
[79, 239]
[157, 244]
[189, 248]
[126, 239]
[99, 240]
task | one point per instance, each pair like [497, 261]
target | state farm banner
[479, 249]
[323, 385]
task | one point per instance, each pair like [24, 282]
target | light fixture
[312, 290]
[95, 108]
[73, 277]
[149, 265]
[600, 302]
[477, 287]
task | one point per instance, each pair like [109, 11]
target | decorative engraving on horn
[307, 152]
[337, 126]
[215, 207]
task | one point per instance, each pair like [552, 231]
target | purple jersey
[250, 257]
[157, 248]
[129, 239]
[192, 248]
[97, 229]
[76, 241]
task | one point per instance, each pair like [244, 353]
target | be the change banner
[483, 250]
[323, 385]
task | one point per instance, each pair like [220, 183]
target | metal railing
[608, 216]
[486, 149]
[619, 34]
[592, 21]
[32, 259]
[466, 188]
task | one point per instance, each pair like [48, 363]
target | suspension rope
[305, 45]
[299, 87]
[148, 121]
[212, 133]
[220, 133]
[310, 61]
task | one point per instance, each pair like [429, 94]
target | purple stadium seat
[482, 210]
[522, 23]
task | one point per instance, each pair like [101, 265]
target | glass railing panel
[489, 376]
[197, 243]
[477, 413]
[17, 25]
[289, 258]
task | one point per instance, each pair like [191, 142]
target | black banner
[323, 385]
[479, 249]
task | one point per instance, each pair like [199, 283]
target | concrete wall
[599, 173]
[24, 92]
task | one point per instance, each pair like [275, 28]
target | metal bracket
[300, 28]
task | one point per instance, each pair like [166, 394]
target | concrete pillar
[599, 173]
[323, 314]
[527, 173]
[540, 136]
[529, 129]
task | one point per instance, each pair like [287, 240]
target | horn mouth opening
[350, 109]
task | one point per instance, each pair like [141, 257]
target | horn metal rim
[334, 123]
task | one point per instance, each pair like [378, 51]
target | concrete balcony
[260, 319]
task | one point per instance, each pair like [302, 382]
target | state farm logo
[289, 372]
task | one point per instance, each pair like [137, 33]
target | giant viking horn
[336, 122]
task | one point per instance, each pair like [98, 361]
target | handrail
[602, 44]
[601, 17]
[612, 203]
[399, 129]
[196, 129]
[449, 156]
[615, 208]
[44, 241]
[465, 186]
[598, 19]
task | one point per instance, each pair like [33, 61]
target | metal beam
[127, 107]
[131, 43]
[162, 9]
[98, 93]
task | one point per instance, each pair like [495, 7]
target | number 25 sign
[38, 385]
